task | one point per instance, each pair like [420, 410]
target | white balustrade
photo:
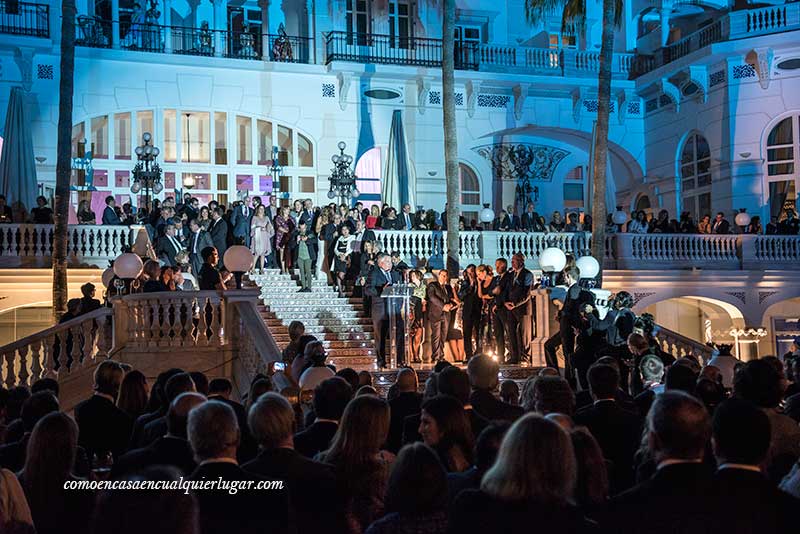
[648, 251]
[87, 245]
[679, 345]
[777, 248]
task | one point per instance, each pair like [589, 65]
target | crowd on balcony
[338, 454]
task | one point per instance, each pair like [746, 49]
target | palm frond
[573, 19]
[536, 11]
[618, 13]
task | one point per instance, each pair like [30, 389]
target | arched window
[470, 193]
[783, 144]
[368, 177]
[695, 172]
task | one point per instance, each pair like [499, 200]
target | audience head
[221, 387]
[314, 353]
[361, 433]
[49, 460]
[741, 433]
[178, 412]
[680, 377]
[258, 387]
[177, 384]
[364, 378]
[603, 381]
[562, 420]
[331, 397]
[536, 463]
[200, 382]
[418, 482]
[271, 420]
[548, 394]
[36, 407]
[638, 344]
[509, 392]
[351, 377]
[710, 393]
[296, 329]
[482, 372]
[548, 371]
[758, 382]
[46, 384]
[591, 488]
[440, 366]
[488, 444]
[213, 431]
[678, 427]
[711, 372]
[366, 390]
[444, 424]
[108, 378]
[455, 383]
[133, 393]
[407, 380]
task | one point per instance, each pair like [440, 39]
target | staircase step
[352, 361]
[326, 322]
[329, 336]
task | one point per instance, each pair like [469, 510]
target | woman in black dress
[85, 213]
[41, 214]
[341, 261]
[471, 312]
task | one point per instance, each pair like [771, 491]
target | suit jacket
[674, 500]
[219, 236]
[198, 242]
[311, 243]
[166, 249]
[531, 222]
[721, 227]
[249, 511]
[247, 445]
[405, 404]
[619, 434]
[166, 450]
[137, 434]
[396, 224]
[307, 482]
[102, 427]
[436, 297]
[407, 225]
[315, 439]
[374, 288]
[492, 408]
[518, 293]
[110, 216]
[574, 301]
[747, 502]
[241, 219]
[307, 218]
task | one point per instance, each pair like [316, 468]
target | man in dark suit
[676, 498]
[407, 402]
[6, 215]
[221, 389]
[438, 304]
[746, 500]
[308, 214]
[168, 246]
[617, 431]
[170, 449]
[175, 386]
[497, 288]
[330, 399]
[219, 233]
[530, 220]
[407, 218]
[157, 392]
[271, 207]
[520, 310]
[240, 220]
[214, 436]
[272, 421]
[102, 427]
[88, 302]
[514, 220]
[575, 302]
[383, 308]
[482, 372]
[109, 213]
[198, 240]
[720, 225]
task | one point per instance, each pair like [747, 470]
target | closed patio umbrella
[399, 185]
[17, 165]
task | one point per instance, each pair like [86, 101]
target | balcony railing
[24, 18]
[144, 37]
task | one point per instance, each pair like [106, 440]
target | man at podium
[377, 281]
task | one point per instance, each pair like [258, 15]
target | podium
[398, 302]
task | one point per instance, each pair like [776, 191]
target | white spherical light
[552, 260]
[331, 194]
[157, 188]
[742, 218]
[355, 193]
[619, 217]
[487, 214]
[238, 258]
[128, 266]
[588, 266]
[108, 275]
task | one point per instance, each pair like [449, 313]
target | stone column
[115, 23]
[264, 5]
[168, 26]
[220, 25]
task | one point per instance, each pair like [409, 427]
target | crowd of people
[690, 455]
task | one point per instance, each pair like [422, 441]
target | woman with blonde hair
[531, 483]
[362, 468]
[319, 225]
[261, 232]
[283, 227]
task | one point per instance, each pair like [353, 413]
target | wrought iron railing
[24, 18]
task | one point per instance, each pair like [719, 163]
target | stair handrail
[679, 345]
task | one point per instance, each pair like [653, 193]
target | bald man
[407, 402]
[171, 449]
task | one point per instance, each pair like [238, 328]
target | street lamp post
[146, 173]
[343, 179]
[276, 169]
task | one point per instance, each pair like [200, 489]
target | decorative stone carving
[672, 91]
[741, 295]
[23, 56]
[520, 94]
[344, 78]
[515, 161]
[578, 96]
[473, 88]
[699, 75]
[763, 65]
[423, 90]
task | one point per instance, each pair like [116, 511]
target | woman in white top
[261, 232]
[638, 224]
[342, 251]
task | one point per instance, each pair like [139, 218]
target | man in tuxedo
[407, 218]
[720, 225]
[407, 402]
[272, 422]
[198, 241]
[497, 288]
[214, 436]
[746, 500]
[330, 399]
[519, 310]
[272, 207]
[676, 498]
[102, 427]
[514, 220]
[617, 430]
[170, 449]
[482, 373]
[530, 220]
[308, 214]
[362, 235]
[438, 305]
[168, 246]
[383, 308]
[219, 232]
[570, 318]
[109, 213]
[240, 220]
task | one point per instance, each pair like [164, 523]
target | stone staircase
[340, 323]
